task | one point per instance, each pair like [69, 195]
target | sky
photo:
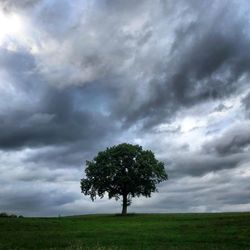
[79, 76]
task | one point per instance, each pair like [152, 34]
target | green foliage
[229, 231]
[124, 170]
[5, 215]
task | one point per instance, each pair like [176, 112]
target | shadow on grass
[126, 215]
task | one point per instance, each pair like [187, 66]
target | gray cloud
[207, 62]
[35, 202]
[213, 192]
[204, 62]
[88, 74]
[197, 164]
[221, 107]
[234, 140]
[47, 115]
[9, 5]
[246, 104]
[58, 121]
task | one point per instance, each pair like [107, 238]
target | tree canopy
[123, 171]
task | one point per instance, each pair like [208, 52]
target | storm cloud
[79, 76]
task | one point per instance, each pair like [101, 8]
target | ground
[136, 231]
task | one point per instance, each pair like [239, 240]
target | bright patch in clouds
[188, 124]
[10, 27]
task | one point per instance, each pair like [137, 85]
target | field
[139, 231]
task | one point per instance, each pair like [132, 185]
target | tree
[123, 171]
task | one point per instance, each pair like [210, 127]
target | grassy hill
[139, 231]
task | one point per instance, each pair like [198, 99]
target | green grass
[139, 231]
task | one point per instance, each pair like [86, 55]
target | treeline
[5, 215]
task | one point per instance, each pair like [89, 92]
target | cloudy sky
[79, 76]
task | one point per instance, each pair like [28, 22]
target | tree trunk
[124, 204]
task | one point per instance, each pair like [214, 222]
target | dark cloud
[9, 5]
[35, 202]
[207, 61]
[57, 120]
[19, 63]
[246, 104]
[213, 192]
[227, 151]
[221, 107]
[47, 115]
[235, 197]
[234, 140]
[197, 164]
[85, 75]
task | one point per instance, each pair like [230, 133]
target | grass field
[139, 231]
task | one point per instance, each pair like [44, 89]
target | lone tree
[125, 171]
